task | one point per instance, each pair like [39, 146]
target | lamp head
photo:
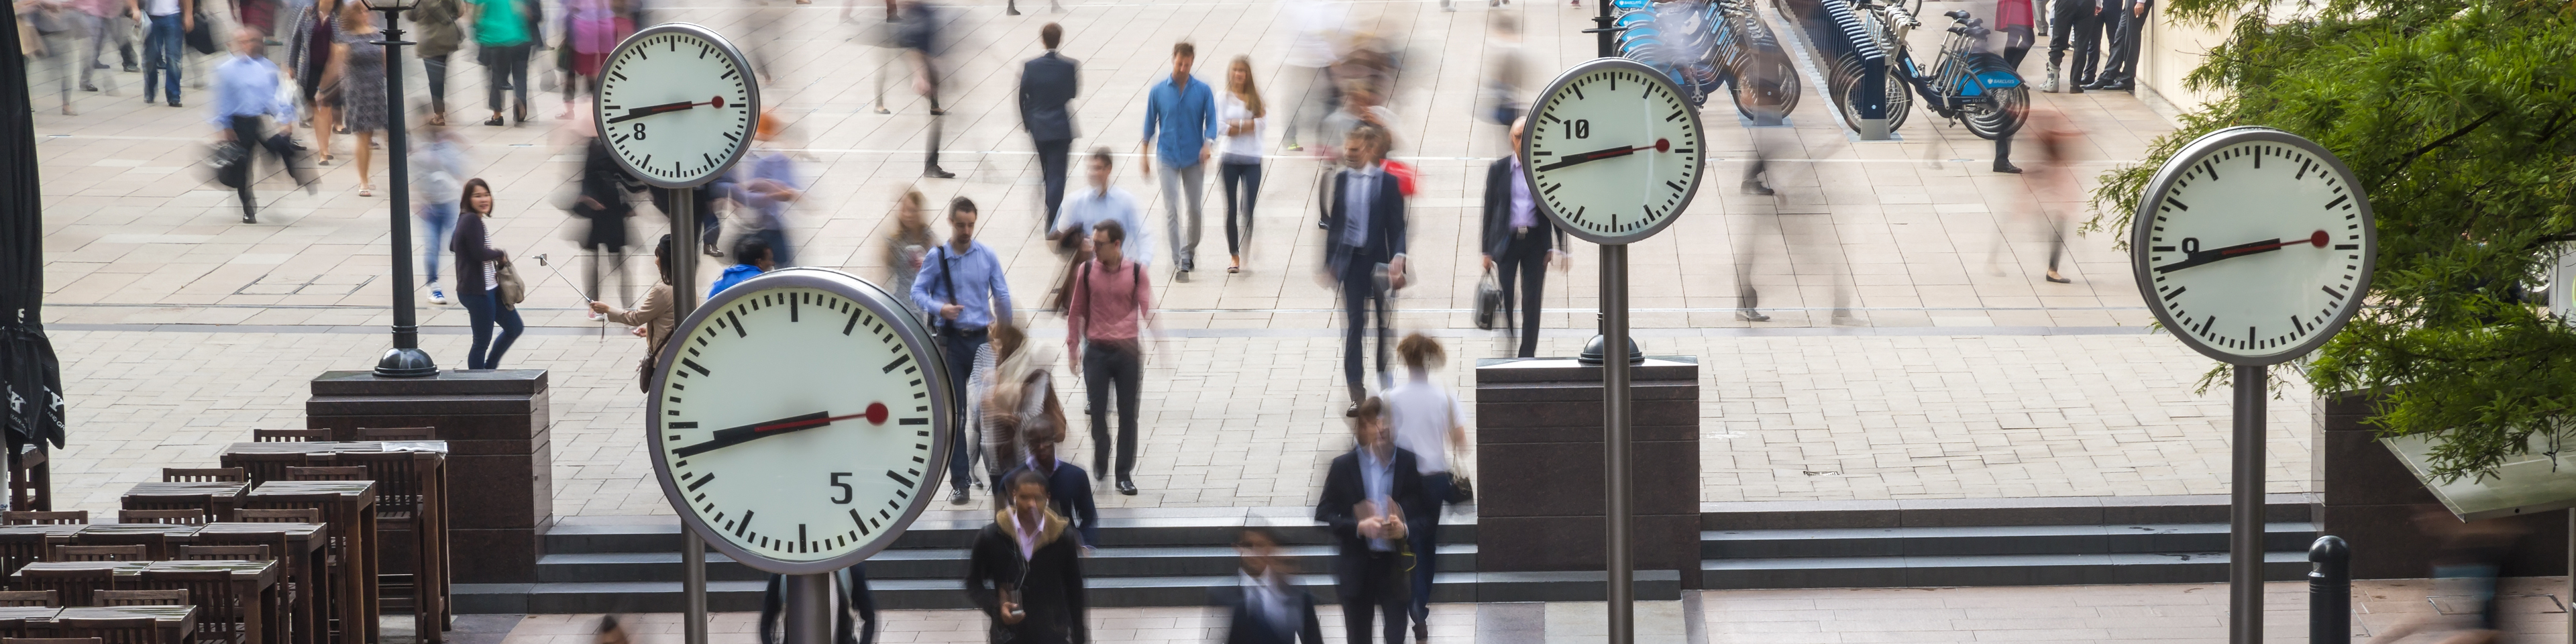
[391, 5]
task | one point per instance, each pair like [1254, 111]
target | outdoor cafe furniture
[217, 586]
[216, 499]
[411, 508]
[349, 511]
[165, 624]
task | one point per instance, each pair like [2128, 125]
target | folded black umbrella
[31, 381]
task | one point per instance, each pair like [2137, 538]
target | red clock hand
[633, 113]
[876, 415]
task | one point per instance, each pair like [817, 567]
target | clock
[677, 104]
[1612, 151]
[2253, 245]
[797, 419]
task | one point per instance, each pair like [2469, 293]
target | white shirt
[1085, 207]
[1238, 148]
[1421, 414]
[161, 7]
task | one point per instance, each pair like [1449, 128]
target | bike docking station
[1874, 80]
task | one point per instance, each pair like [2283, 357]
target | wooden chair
[225, 553]
[18, 549]
[97, 553]
[155, 545]
[301, 515]
[169, 517]
[28, 598]
[73, 587]
[219, 608]
[50, 640]
[141, 598]
[204, 475]
[347, 473]
[290, 435]
[116, 630]
[67, 517]
[397, 433]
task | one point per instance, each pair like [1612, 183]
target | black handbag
[1489, 301]
[202, 38]
[231, 163]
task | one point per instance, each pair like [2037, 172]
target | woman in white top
[1429, 421]
[1239, 111]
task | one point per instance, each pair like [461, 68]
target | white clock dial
[677, 105]
[798, 419]
[1612, 152]
[2254, 245]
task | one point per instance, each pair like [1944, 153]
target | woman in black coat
[603, 202]
[1026, 572]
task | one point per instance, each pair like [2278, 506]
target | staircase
[1989, 542]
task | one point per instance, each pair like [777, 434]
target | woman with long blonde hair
[1240, 111]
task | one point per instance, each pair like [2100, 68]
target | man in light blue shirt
[1104, 202]
[963, 287]
[245, 98]
[1182, 112]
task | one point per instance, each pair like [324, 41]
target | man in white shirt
[171, 20]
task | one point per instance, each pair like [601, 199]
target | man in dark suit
[1265, 604]
[1363, 240]
[1367, 495]
[2125, 20]
[2090, 16]
[1047, 82]
[1519, 240]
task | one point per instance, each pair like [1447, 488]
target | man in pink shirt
[1108, 303]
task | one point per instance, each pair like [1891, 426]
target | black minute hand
[1595, 155]
[732, 436]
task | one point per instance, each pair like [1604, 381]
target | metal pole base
[405, 363]
[809, 608]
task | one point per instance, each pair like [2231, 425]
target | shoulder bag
[513, 290]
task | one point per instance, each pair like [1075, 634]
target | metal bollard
[2330, 591]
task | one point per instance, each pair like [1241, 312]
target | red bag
[1403, 176]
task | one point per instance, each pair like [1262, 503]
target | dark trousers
[437, 68]
[509, 69]
[484, 309]
[1360, 292]
[1378, 591]
[958, 349]
[252, 133]
[935, 118]
[161, 43]
[1054, 159]
[2124, 31]
[1524, 261]
[851, 584]
[2088, 49]
[606, 260]
[1106, 368]
[1242, 190]
[2017, 43]
[1424, 532]
[2062, 16]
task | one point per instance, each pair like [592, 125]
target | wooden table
[305, 558]
[169, 496]
[352, 513]
[255, 582]
[178, 623]
[419, 482]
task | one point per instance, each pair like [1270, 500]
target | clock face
[1612, 151]
[677, 105]
[797, 418]
[2253, 245]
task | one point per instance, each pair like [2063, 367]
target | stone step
[1988, 570]
[1990, 540]
[665, 596]
[951, 564]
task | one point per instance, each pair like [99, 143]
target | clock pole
[2245, 514]
[809, 608]
[684, 299]
[1614, 441]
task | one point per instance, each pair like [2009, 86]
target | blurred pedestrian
[1068, 491]
[1305, 77]
[438, 178]
[2052, 183]
[2467, 558]
[963, 285]
[308, 52]
[1508, 69]
[751, 255]
[1264, 605]
[1015, 402]
[245, 98]
[1519, 243]
[440, 37]
[1369, 496]
[766, 186]
[1180, 122]
[1047, 83]
[504, 33]
[358, 69]
[602, 204]
[611, 632]
[591, 28]
[1025, 574]
[2090, 17]
[1102, 201]
[104, 21]
[653, 320]
[1241, 114]
[1364, 248]
[169, 21]
[850, 596]
[479, 285]
[1429, 421]
[1110, 304]
[919, 36]
[907, 244]
[2014, 17]
[51, 22]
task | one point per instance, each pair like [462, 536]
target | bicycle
[1966, 84]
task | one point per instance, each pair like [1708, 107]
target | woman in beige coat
[653, 319]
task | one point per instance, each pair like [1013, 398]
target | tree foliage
[2456, 115]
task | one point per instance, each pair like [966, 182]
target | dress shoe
[935, 173]
[1127, 487]
[2007, 168]
[1750, 315]
[86, 87]
[249, 218]
[1756, 188]
[2121, 86]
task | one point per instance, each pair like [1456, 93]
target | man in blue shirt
[962, 285]
[245, 97]
[1183, 112]
[754, 253]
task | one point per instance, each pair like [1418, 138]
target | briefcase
[1489, 301]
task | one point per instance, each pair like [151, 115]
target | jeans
[1523, 262]
[1242, 190]
[1179, 182]
[851, 584]
[252, 132]
[437, 221]
[437, 68]
[958, 350]
[1104, 368]
[161, 56]
[1376, 592]
[509, 67]
[484, 309]
[1424, 533]
[1359, 291]
[1054, 159]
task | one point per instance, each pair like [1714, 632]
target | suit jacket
[1248, 627]
[1386, 229]
[1047, 82]
[1344, 489]
[1498, 213]
[1052, 595]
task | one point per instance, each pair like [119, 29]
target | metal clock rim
[1530, 175]
[751, 92]
[2181, 162]
[878, 302]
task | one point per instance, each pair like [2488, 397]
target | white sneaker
[436, 296]
[595, 317]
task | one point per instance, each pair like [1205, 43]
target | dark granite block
[2364, 472]
[502, 491]
[522, 382]
[1529, 544]
[1664, 477]
[494, 556]
[1800, 515]
[1645, 417]
[1520, 370]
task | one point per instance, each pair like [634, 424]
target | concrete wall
[2167, 52]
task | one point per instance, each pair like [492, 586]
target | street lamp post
[405, 359]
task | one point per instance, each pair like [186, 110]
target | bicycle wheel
[1767, 91]
[2007, 104]
[1900, 103]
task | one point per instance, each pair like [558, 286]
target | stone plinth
[500, 471]
[1539, 460]
[2369, 498]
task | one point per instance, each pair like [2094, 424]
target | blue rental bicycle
[1967, 84]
